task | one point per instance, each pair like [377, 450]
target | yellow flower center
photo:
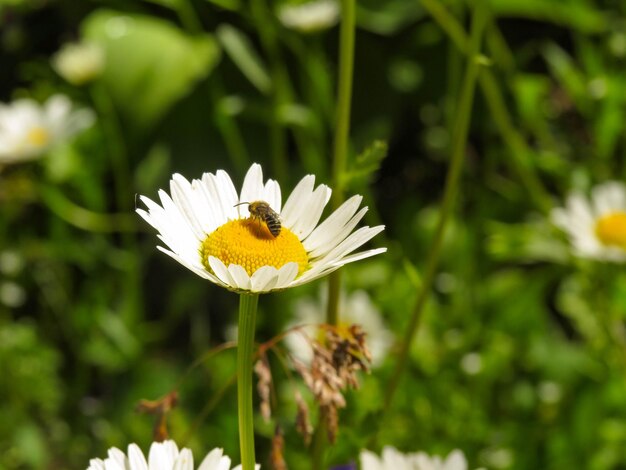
[38, 136]
[248, 243]
[611, 229]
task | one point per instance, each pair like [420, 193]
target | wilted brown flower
[277, 458]
[262, 370]
[303, 425]
[336, 359]
[160, 408]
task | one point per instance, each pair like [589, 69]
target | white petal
[136, 458]
[112, 464]
[228, 194]
[240, 276]
[264, 279]
[354, 241]
[252, 189]
[323, 269]
[200, 271]
[321, 242]
[455, 461]
[183, 197]
[162, 455]
[271, 195]
[311, 211]
[370, 461]
[301, 193]
[359, 256]
[208, 189]
[184, 460]
[286, 275]
[221, 271]
[117, 456]
[212, 460]
[96, 464]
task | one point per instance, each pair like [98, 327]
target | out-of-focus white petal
[582, 215]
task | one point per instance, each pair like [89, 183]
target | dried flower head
[336, 360]
[160, 409]
[264, 373]
[303, 424]
[277, 459]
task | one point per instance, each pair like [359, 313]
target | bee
[262, 211]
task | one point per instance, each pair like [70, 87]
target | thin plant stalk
[344, 98]
[520, 151]
[451, 189]
[228, 127]
[340, 159]
[120, 166]
[280, 87]
[340, 152]
[245, 348]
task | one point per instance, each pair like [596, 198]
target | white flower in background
[596, 226]
[28, 129]
[392, 459]
[162, 456]
[206, 231]
[357, 308]
[310, 16]
[79, 62]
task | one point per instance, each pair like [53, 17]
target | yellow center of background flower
[248, 243]
[611, 229]
[38, 136]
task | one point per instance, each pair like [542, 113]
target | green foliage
[519, 357]
[151, 64]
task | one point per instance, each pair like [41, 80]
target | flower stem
[247, 318]
[280, 86]
[451, 188]
[520, 151]
[344, 98]
[340, 159]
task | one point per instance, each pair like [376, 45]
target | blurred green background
[513, 362]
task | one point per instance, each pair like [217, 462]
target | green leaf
[387, 17]
[365, 165]
[232, 5]
[570, 13]
[242, 53]
[150, 63]
[568, 74]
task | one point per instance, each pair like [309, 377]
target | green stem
[123, 185]
[116, 148]
[280, 86]
[340, 154]
[520, 151]
[228, 127]
[247, 317]
[344, 98]
[340, 159]
[451, 188]
[188, 16]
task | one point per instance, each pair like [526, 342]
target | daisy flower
[356, 307]
[314, 15]
[79, 63]
[162, 456]
[28, 129]
[206, 226]
[392, 459]
[596, 226]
